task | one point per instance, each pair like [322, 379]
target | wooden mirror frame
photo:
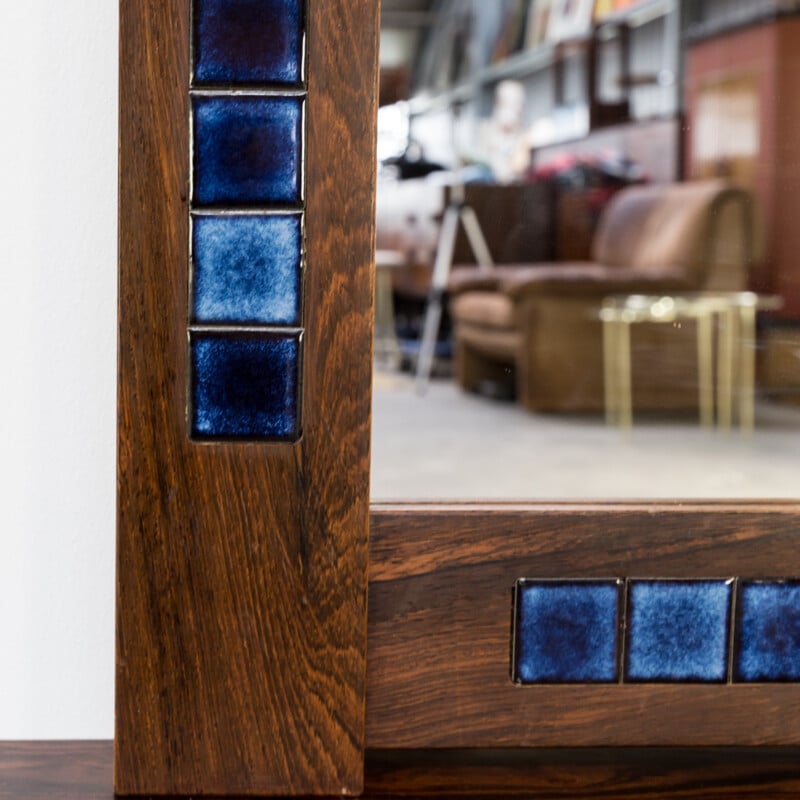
[246, 660]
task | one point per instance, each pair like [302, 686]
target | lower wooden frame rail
[439, 630]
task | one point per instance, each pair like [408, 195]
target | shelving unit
[614, 75]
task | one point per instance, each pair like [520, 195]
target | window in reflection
[588, 269]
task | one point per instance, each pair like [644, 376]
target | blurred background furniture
[386, 348]
[733, 314]
[620, 314]
[541, 323]
[551, 217]
[517, 222]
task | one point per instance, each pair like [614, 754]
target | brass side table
[734, 314]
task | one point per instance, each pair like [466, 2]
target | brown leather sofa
[540, 323]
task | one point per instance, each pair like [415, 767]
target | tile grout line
[735, 590]
[623, 634]
[243, 90]
[287, 331]
[247, 211]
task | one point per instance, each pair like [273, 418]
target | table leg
[725, 357]
[386, 346]
[624, 386]
[610, 371]
[705, 364]
[747, 367]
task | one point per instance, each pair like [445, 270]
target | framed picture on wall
[605, 8]
[538, 22]
[510, 36]
[570, 19]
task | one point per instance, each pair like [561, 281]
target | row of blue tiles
[247, 262]
[670, 631]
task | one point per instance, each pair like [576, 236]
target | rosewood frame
[242, 625]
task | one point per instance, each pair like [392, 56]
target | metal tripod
[457, 211]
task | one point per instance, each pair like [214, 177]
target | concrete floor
[451, 445]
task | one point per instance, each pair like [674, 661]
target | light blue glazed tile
[768, 632]
[247, 150]
[244, 386]
[567, 631]
[248, 41]
[678, 631]
[246, 269]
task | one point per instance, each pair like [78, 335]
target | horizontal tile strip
[697, 614]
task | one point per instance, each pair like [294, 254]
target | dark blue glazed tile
[248, 41]
[246, 269]
[768, 632]
[567, 631]
[678, 631]
[247, 150]
[244, 386]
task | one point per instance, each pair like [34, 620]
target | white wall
[58, 154]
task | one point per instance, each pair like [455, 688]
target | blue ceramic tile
[246, 269]
[248, 41]
[678, 631]
[768, 632]
[247, 150]
[244, 386]
[567, 631]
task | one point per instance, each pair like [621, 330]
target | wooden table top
[83, 771]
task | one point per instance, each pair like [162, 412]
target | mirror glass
[588, 266]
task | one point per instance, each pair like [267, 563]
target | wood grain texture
[82, 771]
[440, 623]
[241, 600]
[569, 774]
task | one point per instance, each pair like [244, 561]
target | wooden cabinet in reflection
[743, 113]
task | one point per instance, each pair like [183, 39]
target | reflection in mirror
[588, 268]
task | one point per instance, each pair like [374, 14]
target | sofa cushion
[468, 279]
[502, 345]
[592, 280]
[485, 309]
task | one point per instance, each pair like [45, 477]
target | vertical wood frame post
[242, 567]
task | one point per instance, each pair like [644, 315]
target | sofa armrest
[592, 280]
[469, 279]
